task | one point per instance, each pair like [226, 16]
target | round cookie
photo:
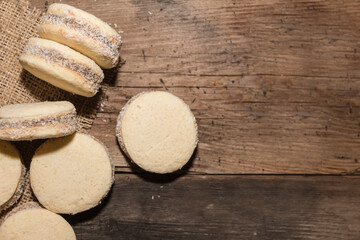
[31, 222]
[71, 174]
[158, 131]
[83, 32]
[12, 173]
[41, 120]
[62, 67]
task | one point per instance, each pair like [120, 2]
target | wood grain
[274, 84]
[225, 207]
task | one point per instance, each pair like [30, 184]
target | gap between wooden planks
[274, 85]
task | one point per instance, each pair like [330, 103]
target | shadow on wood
[111, 74]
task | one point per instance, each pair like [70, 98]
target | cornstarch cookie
[32, 222]
[62, 67]
[71, 174]
[12, 173]
[158, 131]
[83, 32]
[41, 120]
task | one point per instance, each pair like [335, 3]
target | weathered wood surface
[225, 207]
[275, 88]
[274, 85]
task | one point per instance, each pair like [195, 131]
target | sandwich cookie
[41, 120]
[32, 222]
[158, 131]
[12, 175]
[62, 67]
[71, 174]
[83, 32]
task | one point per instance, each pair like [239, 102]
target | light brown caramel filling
[51, 120]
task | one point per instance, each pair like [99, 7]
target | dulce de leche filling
[64, 119]
[93, 80]
[111, 44]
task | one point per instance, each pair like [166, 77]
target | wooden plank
[274, 85]
[225, 207]
[312, 38]
[257, 136]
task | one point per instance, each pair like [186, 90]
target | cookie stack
[71, 172]
[73, 47]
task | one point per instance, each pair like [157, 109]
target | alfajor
[71, 174]
[32, 222]
[12, 173]
[28, 121]
[158, 131]
[83, 32]
[62, 67]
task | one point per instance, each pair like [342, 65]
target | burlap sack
[18, 22]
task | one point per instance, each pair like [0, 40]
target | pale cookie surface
[158, 131]
[28, 121]
[35, 223]
[83, 32]
[11, 174]
[62, 67]
[71, 174]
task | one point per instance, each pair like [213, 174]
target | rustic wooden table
[275, 88]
